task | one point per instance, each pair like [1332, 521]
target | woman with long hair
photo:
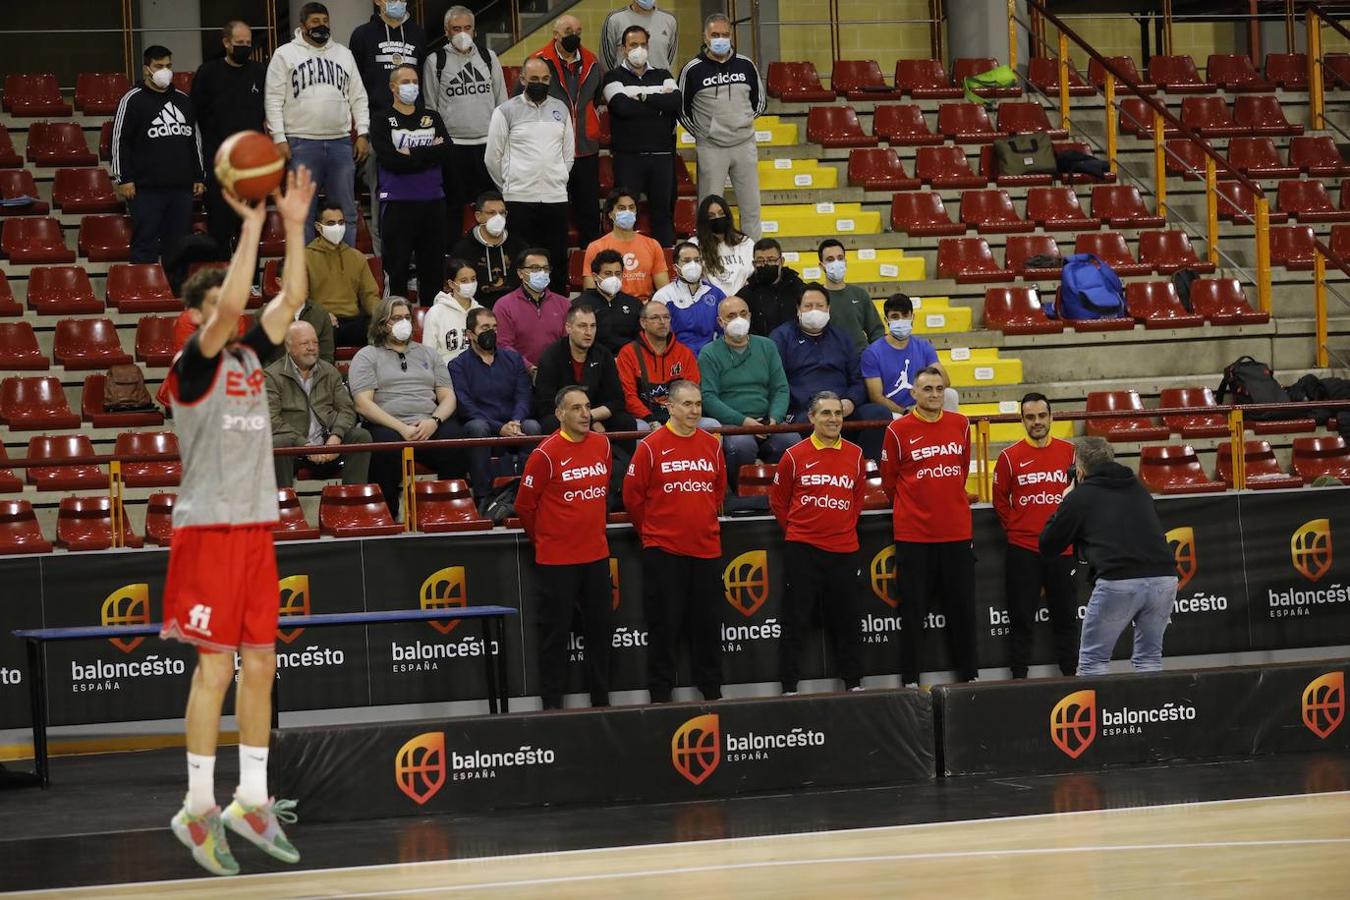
[728, 253]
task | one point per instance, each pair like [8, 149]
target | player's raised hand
[295, 203]
[250, 212]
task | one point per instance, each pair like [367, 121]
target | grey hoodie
[461, 88]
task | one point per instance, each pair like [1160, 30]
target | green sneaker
[261, 826]
[205, 837]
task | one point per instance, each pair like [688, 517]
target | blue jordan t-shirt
[897, 368]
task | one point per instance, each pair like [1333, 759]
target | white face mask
[401, 330]
[637, 57]
[467, 289]
[835, 270]
[162, 78]
[333, 234]
[814, 320]
[737, 328]
[691, 271]
[496, 225]
[900, 328]
[611, 285]
[462, 41]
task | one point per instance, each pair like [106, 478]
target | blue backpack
[1089, 289]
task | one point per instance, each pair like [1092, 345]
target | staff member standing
[562, 505]
[817, 496]
[1029, 480]
[673, 493]
[924, 460]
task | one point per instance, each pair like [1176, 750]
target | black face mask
[320, 34]
[571, 42]
[536, 91]
[720, 226]
[765, 274]
[240, 54]
[487, 340]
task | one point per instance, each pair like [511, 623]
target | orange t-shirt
[642, 259]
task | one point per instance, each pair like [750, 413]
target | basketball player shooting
[220, 593]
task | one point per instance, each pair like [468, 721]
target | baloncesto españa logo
[1310, 554]
[700, 745]
[446, 588]
[128, 605]
[1078, 720]
[1073, 723]
[1186, 552]
[292, 600]
[745, 585]
[424, 764]
[1324, 704]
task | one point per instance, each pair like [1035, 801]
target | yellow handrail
[115, 502]
[1238, 449]
[1012, 34]
[1063, 81]
[1112, 138]
[1316, 98]
[1159, 162]
[1263, 253]
[1320, 305]
[409, 489]
[984, 487]
[1211, 211]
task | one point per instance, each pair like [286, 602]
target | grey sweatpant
[742, 164]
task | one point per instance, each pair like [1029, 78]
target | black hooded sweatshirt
[774, 303]
[1111, 521]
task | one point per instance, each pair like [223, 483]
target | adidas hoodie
[465, 89]
[155, 140]
[314, 92]
[721, 99]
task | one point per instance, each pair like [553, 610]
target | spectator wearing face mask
[662, 30]
[650, 364]
[532, 317]
[491, 248]
[692, 299]
[772, 291]
[851, 309]
[616, 312]
[445, 328]
[644, 262]
[889, 365]
[728, 253]
[340, 279]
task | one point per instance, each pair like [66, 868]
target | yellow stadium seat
[790, 175]
[868, 265]
[934, 315]
[979, 367]
[1010, 432]
[770, 131]
[812, 220]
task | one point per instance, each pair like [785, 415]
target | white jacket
[444, 328]
[314, 92]
[530, 150]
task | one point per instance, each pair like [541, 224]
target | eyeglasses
[402, 361]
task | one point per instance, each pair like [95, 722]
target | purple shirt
[528, 327]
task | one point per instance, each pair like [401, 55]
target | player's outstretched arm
[223, 325]
[294, 208]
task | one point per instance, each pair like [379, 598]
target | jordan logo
[170, 123]
[901, 382]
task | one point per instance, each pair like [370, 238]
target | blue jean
[334, 170]
[480, 458]
[1147, 602]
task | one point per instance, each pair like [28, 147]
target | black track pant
[583, 192]
[652, 174]
[829, 581]
[682, 594]
[544, 225]
[564, 592]
[411, 230]
[1027, 573]
[938, 577]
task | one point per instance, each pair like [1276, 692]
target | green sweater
[746, 385]
[853, 312]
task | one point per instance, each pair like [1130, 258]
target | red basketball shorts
[221, 590]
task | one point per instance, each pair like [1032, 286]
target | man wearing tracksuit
[722, 93]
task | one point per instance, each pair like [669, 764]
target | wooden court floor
[1264, 847]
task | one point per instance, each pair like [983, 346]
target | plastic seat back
[29, 403]
[19, 529]
[1262, 115]
[1122, 206]
[857, 75]
[836, 126]
[155, 344]
[17, 185]
[355, 510]
[902, 124]
[1197, 424]
[992, 211]
[1133, 426]
[1222, 301]
[1167, 251]
[35, 240]
[106, 238]
[1178, 75]
[925, 78]
[159, 519]
[140, 287]
[163, 444]
[19, 348]
[945, 167]
[1291, 246]
[1043, 72]
[970, 66]
[1022, 247]
[1234, 72]
[1017, 310]
[1308, 201]
[965, 122]
[97, 93]
[1317, 155]
[1175, 469]
[1288, 70]
[85, 191]
[61, 291]
[1209, 116]
[58, 144]
[1057, 208]
[1110, 246]
[447, 506]
[1125, 66]
[1263, 470]
[63, 477]
[1025, 118]
[1184, 158]
[1257, 157]
[291, 523]
[88, 344]
[1155, 303]
[879, 169]
[34, 94]
[86, 523]
[754, 480]
[969, 260]
[91, 408]
[922, 213]
[1317, 456]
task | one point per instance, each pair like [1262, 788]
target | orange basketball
[249, 164]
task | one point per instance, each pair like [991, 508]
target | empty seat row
[96, 93]
[862, 79]
[881, 169]
[1139, 424]
[1258, 157]
[905, 125]
[921, 213]
[1212, 117]
[1220, 301]
[66, 290]
[969, 260]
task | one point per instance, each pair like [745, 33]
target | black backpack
[1251, 382]
[440, 61]
[500, 505]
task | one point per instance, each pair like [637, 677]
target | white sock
[252, 775]
[201, 783]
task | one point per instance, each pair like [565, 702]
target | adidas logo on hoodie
[467, 83]
[169, 123]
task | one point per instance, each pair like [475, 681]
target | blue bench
[492, 617]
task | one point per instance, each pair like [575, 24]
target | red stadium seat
[878, 169]
[966, 123]
[1022, 247]
[945, 167]
[684, 184]
[1210, 117]
[1197, 424]
[1238, 204]
[1184, 158]
[1058, 209]
[1110, 248]
[796, 82]
[105, 141]
[35, 94]
[61, 291]
[44, 447]
[16, 185]
[34, 240]
[9, 158]
[1136, 117]
[1222, 301]
[33, 403]
[155, 341]
[1263, 115]
[291, 523]
[355, 510]
[1288, 70]
[105, 238]
[19, 348]
[1263, 472]
[87, 344]
[686, 217]
[1166, 252]
[1317, 456]
[273, 241]
[1291, 246]
[1137, 426]
[1122, 207]
[1017, 310]
[1175, 470]
[364, 243]
[603, 116]
[149, 443]
[159, 519]
[861, 79]
[925, 79]
[992, 212]
[989, 172]
[140, 288]
[1256, 157]
[836, 126]
[91, 408]
[79, 191]
[1155, 304]
[8, 305]
[1178, 75]
[1235, 73]
[1336, 71]
[9, 482]
[19, 529]
[85, 523]
[182, 79]
[1043, 72]
[754, 480]
[1317, 155]
[511, 75]
[1308, 201]
[1126, 67]
[919, 213]
[58, 144]
[447, 506]
[903, 125]
[970, 66]
[1027, 118]
[1340, 240]
[98, 93]
[969, 261]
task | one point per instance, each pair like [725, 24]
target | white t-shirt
[738, 264]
